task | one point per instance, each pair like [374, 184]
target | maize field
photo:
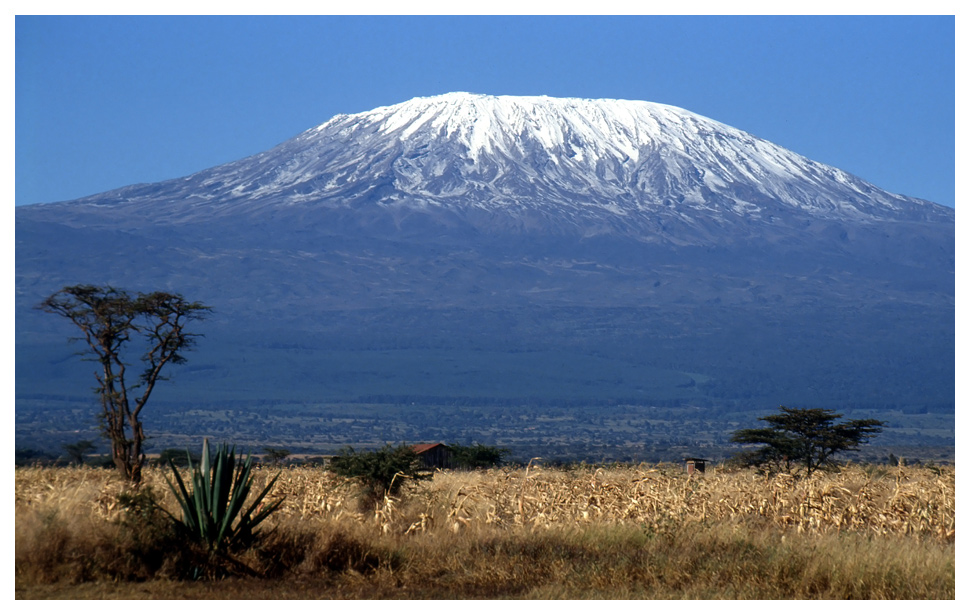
[457, 508]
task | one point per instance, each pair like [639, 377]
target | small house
[435, 455]
[695, 464]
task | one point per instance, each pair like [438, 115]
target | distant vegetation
[564, 383]
[548, 357]
[76, 451]
[593, 434]
[476, 456]
[179, 457]
[275, 455]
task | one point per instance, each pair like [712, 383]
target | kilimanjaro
[494, 251]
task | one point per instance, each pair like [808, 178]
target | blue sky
[104, 102]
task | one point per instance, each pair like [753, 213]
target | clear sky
[104, 102]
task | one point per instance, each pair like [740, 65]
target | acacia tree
[77, 450]
[275, 455]
[109, 319]
[803, 437]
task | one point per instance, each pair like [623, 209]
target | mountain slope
[459, 227]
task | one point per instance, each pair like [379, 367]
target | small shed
[435, 455]
[695, 464]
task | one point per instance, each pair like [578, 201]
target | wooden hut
[435, 455]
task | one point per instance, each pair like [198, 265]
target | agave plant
[213, 512]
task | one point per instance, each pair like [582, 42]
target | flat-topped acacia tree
[110, 319]
[807, 437]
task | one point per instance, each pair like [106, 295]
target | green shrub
[477, 456]
[382, 472]
[275, 455]
[77, 450]
[180, 457]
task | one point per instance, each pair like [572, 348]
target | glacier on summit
[570, 165]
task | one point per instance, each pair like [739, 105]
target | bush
[147, 539]
[382, 472]
[77, 450]
[30, 456]
[182, 458]
[275, 456]
[477, 456]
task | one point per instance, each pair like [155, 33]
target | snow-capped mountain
[570, 166]
[478, 225]
[621, 157]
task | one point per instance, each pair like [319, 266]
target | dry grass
[628, 532]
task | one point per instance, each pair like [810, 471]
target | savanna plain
[534, 532]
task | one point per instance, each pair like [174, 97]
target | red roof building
[435, 455]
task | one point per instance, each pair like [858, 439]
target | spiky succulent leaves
[230, 509]
[220, 487]
[266, 510]
[192, 503]
[248, 522]
[203, 496]
[189, 520]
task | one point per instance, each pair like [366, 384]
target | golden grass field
[632, 532]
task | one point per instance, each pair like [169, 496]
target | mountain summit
[500, 248]
[621, 157]
[566, 166]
